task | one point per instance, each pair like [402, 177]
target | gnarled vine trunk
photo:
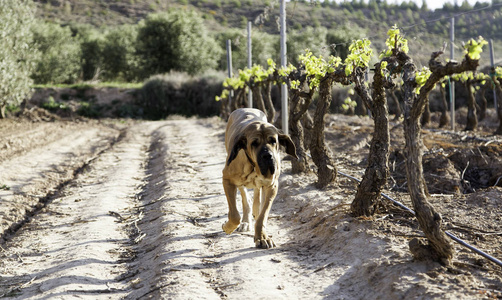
[439, 247]
[326, 170]
[399, 111]
[483, 104]
[2, 111]
[269, 105]
[498, 89]
[445, 118]
[298, 107]
[377, 170]
[472, 118]
[426, 116]
[258, 99]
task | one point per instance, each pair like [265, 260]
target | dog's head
[261, 142]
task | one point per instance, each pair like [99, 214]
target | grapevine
[474, 48]
[395, 42]
[421, 78]
[360, 55]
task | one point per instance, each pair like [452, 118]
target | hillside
[427, 30]
[234, 13]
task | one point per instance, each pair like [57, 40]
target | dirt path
[135, 212]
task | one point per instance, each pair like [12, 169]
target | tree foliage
[178, 41]
[119, 49]
[59, 61]
[17, 54]
[92, 43]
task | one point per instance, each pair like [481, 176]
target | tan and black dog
[253, 161]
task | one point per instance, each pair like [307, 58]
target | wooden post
[284, 87]
[250, 64]
[452, 84]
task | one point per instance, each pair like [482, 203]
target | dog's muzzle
[266, 162]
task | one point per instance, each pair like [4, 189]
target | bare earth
[133, 210]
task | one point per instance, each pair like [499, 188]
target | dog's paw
[264, 242]
[244, 227]
[228, 227]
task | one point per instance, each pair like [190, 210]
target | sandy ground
[133, 210]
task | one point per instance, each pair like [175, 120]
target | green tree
[92, 43]
[119, 51]
[60, 54]
[16, 53]
[176, 40]
[424, 6]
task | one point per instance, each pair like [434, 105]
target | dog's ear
[286, 141]
[240, 143]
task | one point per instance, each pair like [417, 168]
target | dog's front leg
[234, 217]
[261, 239]
[247, 220]
[256, 202]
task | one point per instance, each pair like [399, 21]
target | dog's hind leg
[246, 221]
[234, 217]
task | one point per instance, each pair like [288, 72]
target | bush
[51, 105]
[177, 41]
[90, 110]
[17, 54]
[180, 93]
[60, 54]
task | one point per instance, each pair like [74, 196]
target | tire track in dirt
[78, 244]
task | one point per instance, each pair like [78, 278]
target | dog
[253, 161]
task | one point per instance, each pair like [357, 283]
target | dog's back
[238, 121]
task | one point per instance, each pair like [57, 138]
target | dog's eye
[255, 143]
[272, 141]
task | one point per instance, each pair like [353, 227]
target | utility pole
[452, 84]
[284, 87]
[492, 60]
[250, 64]
[229, 67]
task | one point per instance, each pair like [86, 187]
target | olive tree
[92, 43]
[16, 53]
[119, 48]
[59, 61]
[177, 40]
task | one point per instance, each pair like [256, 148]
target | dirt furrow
[30, 179]
[79, 243]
